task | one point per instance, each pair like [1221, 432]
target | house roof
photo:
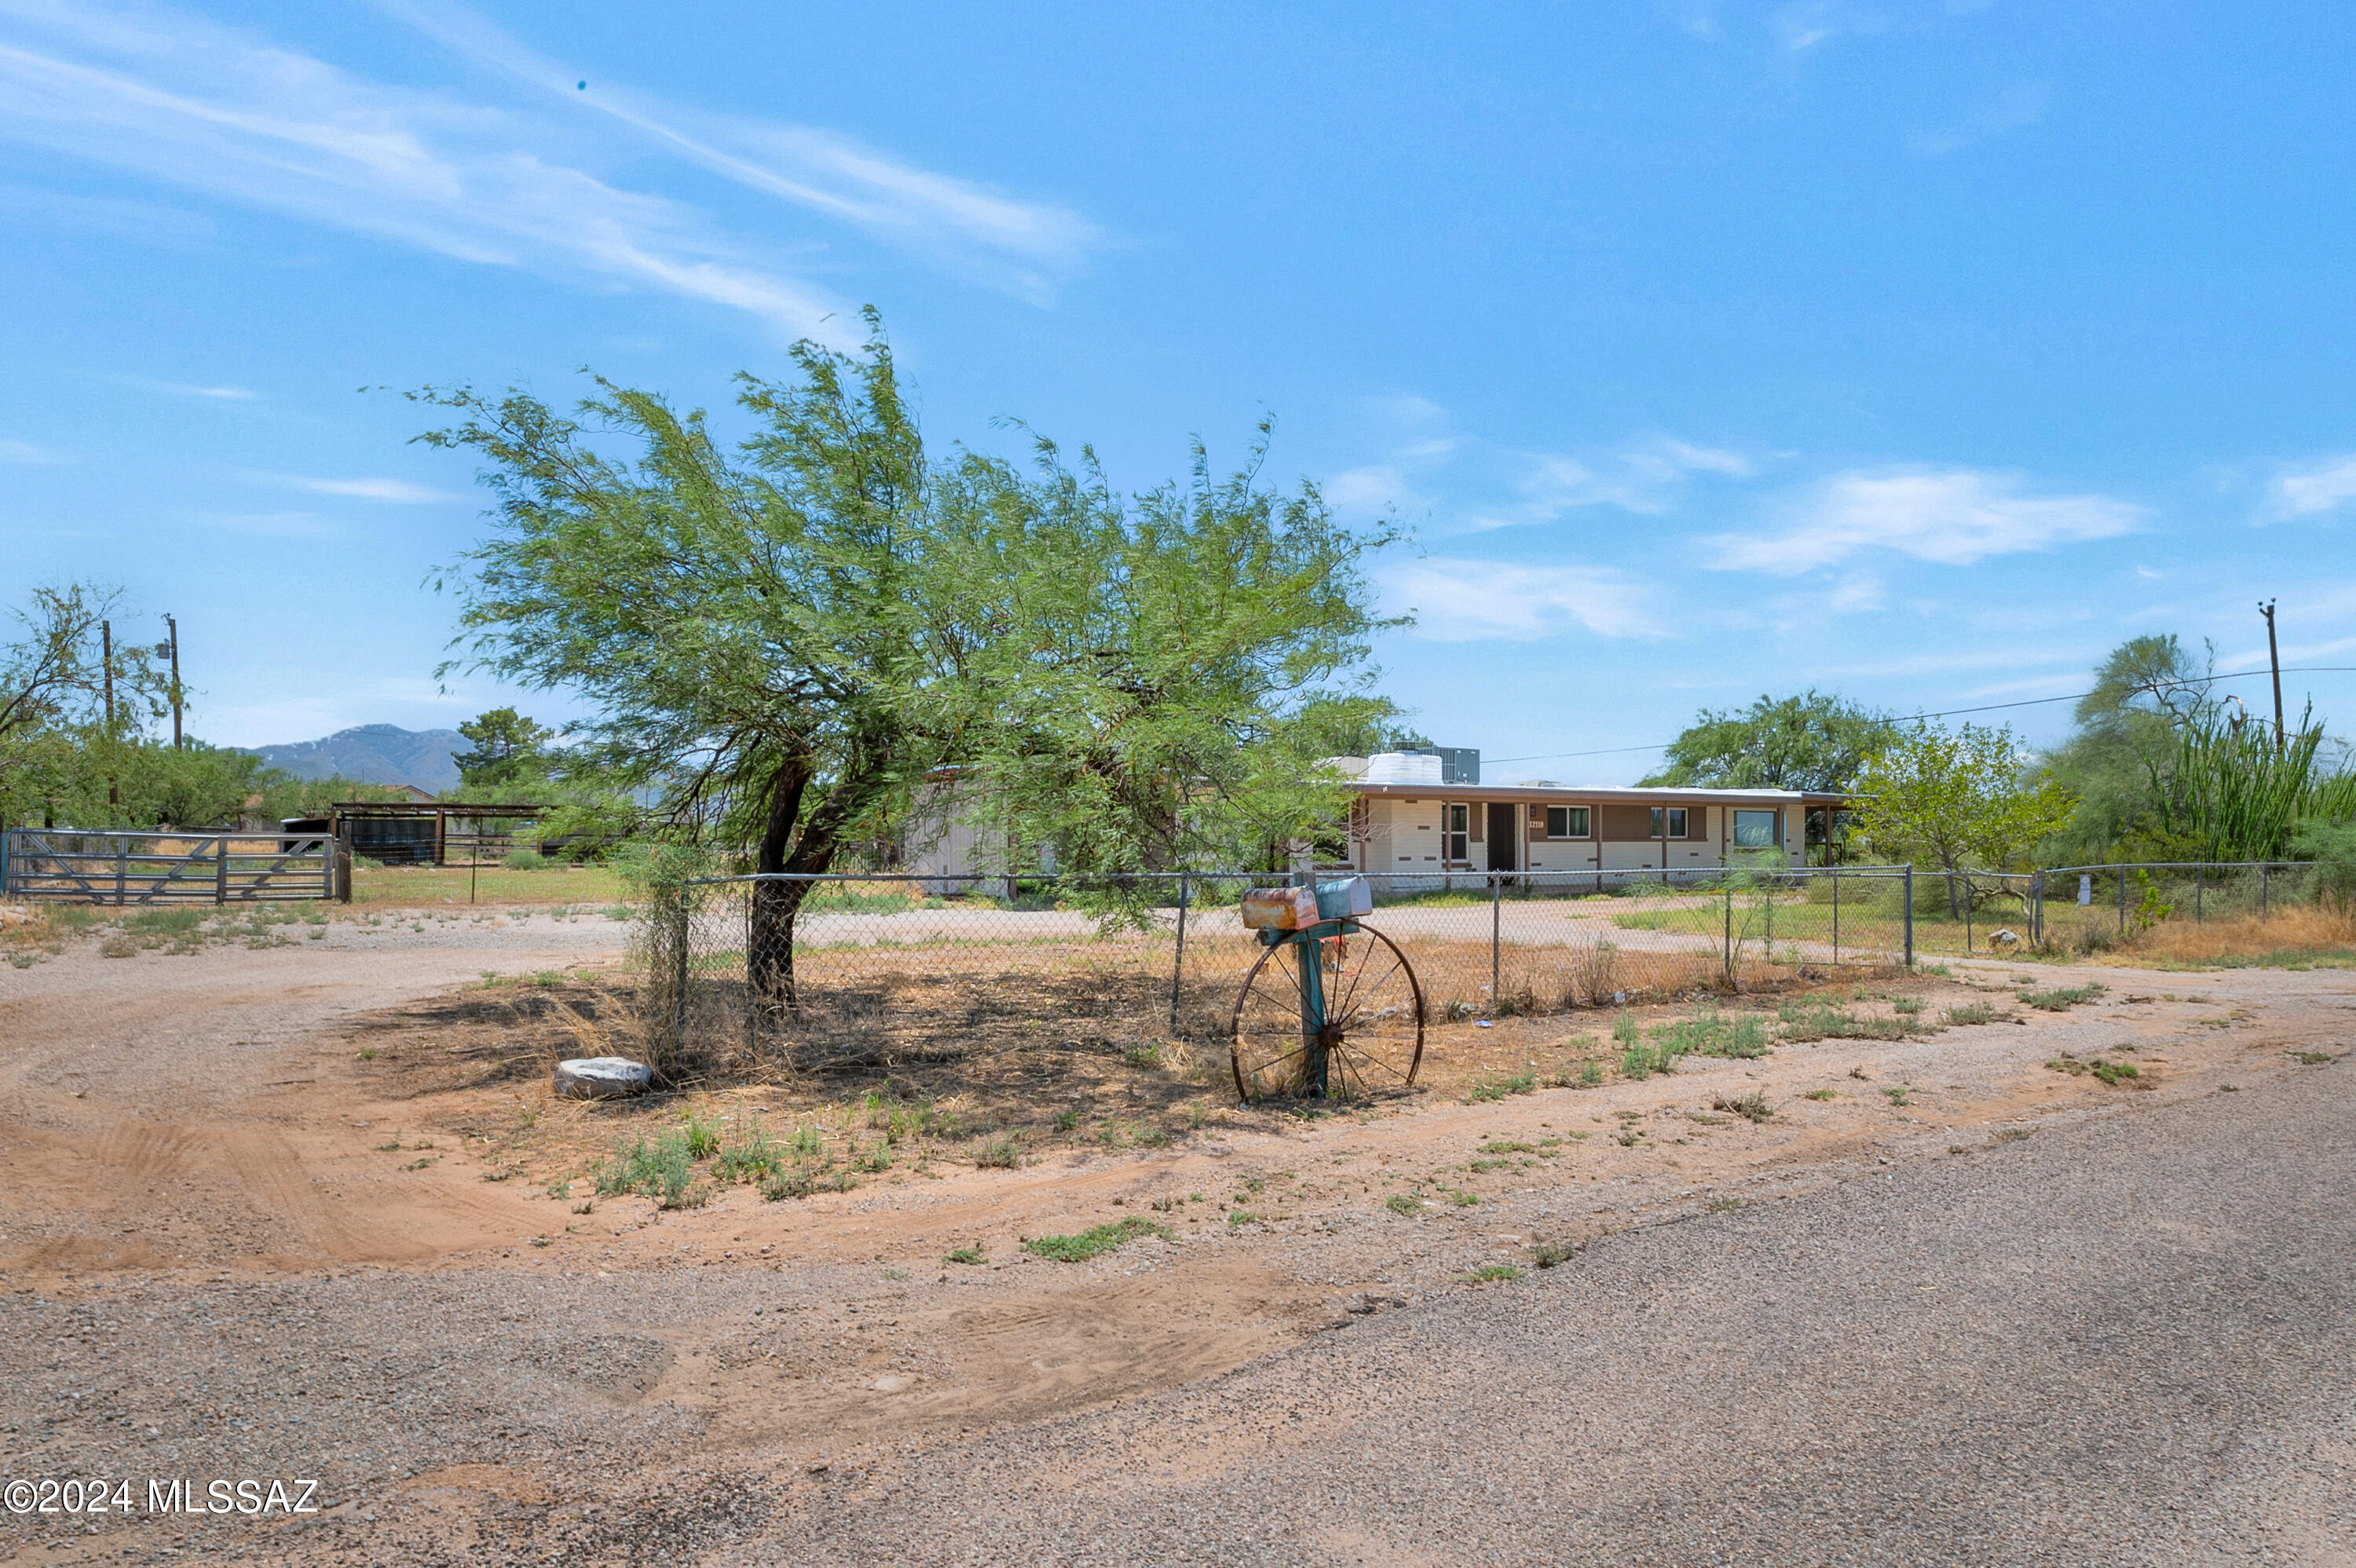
[1587, 794]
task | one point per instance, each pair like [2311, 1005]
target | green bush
[520, 859]
[2332, 847]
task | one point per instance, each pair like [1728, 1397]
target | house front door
[1504, 834]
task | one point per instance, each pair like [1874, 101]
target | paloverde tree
[785, 639]
[1175, 666]
[1958, 798]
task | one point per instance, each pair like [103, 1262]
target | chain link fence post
[2264, 872]
[1178, 959]
[1496, 909]
[1728, 962]
[1910, 914]
[1835, 916]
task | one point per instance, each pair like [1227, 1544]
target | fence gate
[215, 866]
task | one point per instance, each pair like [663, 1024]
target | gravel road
[2124, 1342]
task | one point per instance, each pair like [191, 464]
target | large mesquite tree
[785, 639]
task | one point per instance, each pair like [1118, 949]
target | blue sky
[1918, 351]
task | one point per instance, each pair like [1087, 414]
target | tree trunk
[769, 928]
[799, 849]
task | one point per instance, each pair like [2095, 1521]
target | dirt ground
[305, 1209]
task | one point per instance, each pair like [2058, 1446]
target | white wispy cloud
[191, 104]
[220, 394]
[1022, 245]
[400, 492]
[1457, 600]
[1950, 516]
[1644, 477]
[2020, 105]
[13, 451]
[2315, 490]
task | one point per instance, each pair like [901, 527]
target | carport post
[1910, 914]
[1496, 890]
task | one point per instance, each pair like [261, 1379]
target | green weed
[1712, 1033]
[1403, 1203]
[1487, 1273]
[1003, 1152]
[1821, 1094]
[1092, 1243]
[969, 1256]
[1751, 1107]
[2062, 999]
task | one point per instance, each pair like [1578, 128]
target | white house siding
[1402, 834]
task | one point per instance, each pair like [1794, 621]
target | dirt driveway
[236, 1250]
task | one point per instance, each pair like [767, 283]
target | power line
[1945, 713]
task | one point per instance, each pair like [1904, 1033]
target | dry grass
[441, 887]
[2299, 935]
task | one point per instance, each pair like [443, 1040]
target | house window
[1456, 831]
[1566, 821]
[1676, 820]
[1755, 830]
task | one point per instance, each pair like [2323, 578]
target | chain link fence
[800, 973]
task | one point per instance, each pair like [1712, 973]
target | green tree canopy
[2142, 691]
[54, 728]
[1816, 741]
[791, 641]
[507, 750]
[1959, 798]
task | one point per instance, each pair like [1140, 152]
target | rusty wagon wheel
[1367, 1036]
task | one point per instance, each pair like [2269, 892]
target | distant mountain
[376, 755]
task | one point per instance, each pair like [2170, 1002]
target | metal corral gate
[198, 867]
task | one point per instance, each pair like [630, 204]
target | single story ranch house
[1436, 822]
[1427, 813]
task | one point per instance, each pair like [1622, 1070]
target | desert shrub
[523, 859]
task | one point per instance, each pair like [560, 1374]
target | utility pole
[171, 650]
[106, 656]
[2273, 658]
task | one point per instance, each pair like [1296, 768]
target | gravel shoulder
[1886, 1327]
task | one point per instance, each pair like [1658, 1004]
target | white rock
[601, 1078]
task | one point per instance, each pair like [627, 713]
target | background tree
[1960, 799]
[2143, 690]
[54, 724]
[785, 641]
[507, 749]
[1816, 741]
